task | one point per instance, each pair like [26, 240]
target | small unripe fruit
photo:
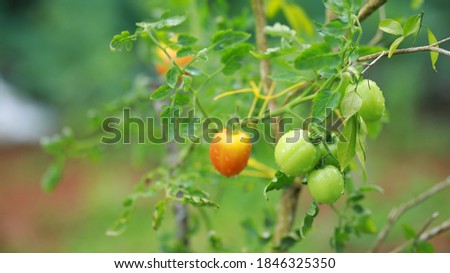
[326, 185]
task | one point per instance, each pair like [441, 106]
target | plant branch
[432, 47]
[396, 213]
[435, 231]
[289, 199]
[425, 236]
[370, 7]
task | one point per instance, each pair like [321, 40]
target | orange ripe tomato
[163, 66]
[230, 152]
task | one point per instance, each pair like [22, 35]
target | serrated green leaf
[394, 45]
[225, 38]
[121, 224]
[335, 28]
[412, 25]
[409, 232]
[169, 22]
[52, 176]
[324, 103]
[187, 81]
[181, 99]
[161, 93]
[316, 57]
[172, 77]
[201, 56]
[198, 201]
[186, 40]
[347, 143]
[122, 41]
[280, 181]
[232, 57]
[158, 214]
[313, 209]
[434, 55]
[351, 103]
[391, 26]
[185, 51]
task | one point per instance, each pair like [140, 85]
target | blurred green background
[55, 59]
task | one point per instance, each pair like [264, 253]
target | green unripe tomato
[329, 159]
[326, 185]
[372, 107]
[294, 155]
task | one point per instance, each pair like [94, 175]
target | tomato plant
[311, 77]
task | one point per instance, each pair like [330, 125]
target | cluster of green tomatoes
[297, 156]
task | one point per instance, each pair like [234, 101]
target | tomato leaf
[394, 45]
[317, 57]
[185, 51]
[121, 224]
[391, 26]
[225, 38]
[180, 99]
[347, 143]
[122, 41]
[409, 232]
[350, 104]
[187, 81]
[169, 22]
[324, 103]
[232, 57]
[280, 181]
[434, 55]
[52, 176]
[198, 201]
[412, 25]
[172, 77]
[158, 214]
[161, 93]
[308, 220]
[186, 40]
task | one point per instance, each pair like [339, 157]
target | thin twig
[369, 8]
[427, 224]
[428, 235]
[435, 231]
[396, 213]
[401, 247]
[431, 47]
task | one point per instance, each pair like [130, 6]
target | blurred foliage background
[55, 54]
